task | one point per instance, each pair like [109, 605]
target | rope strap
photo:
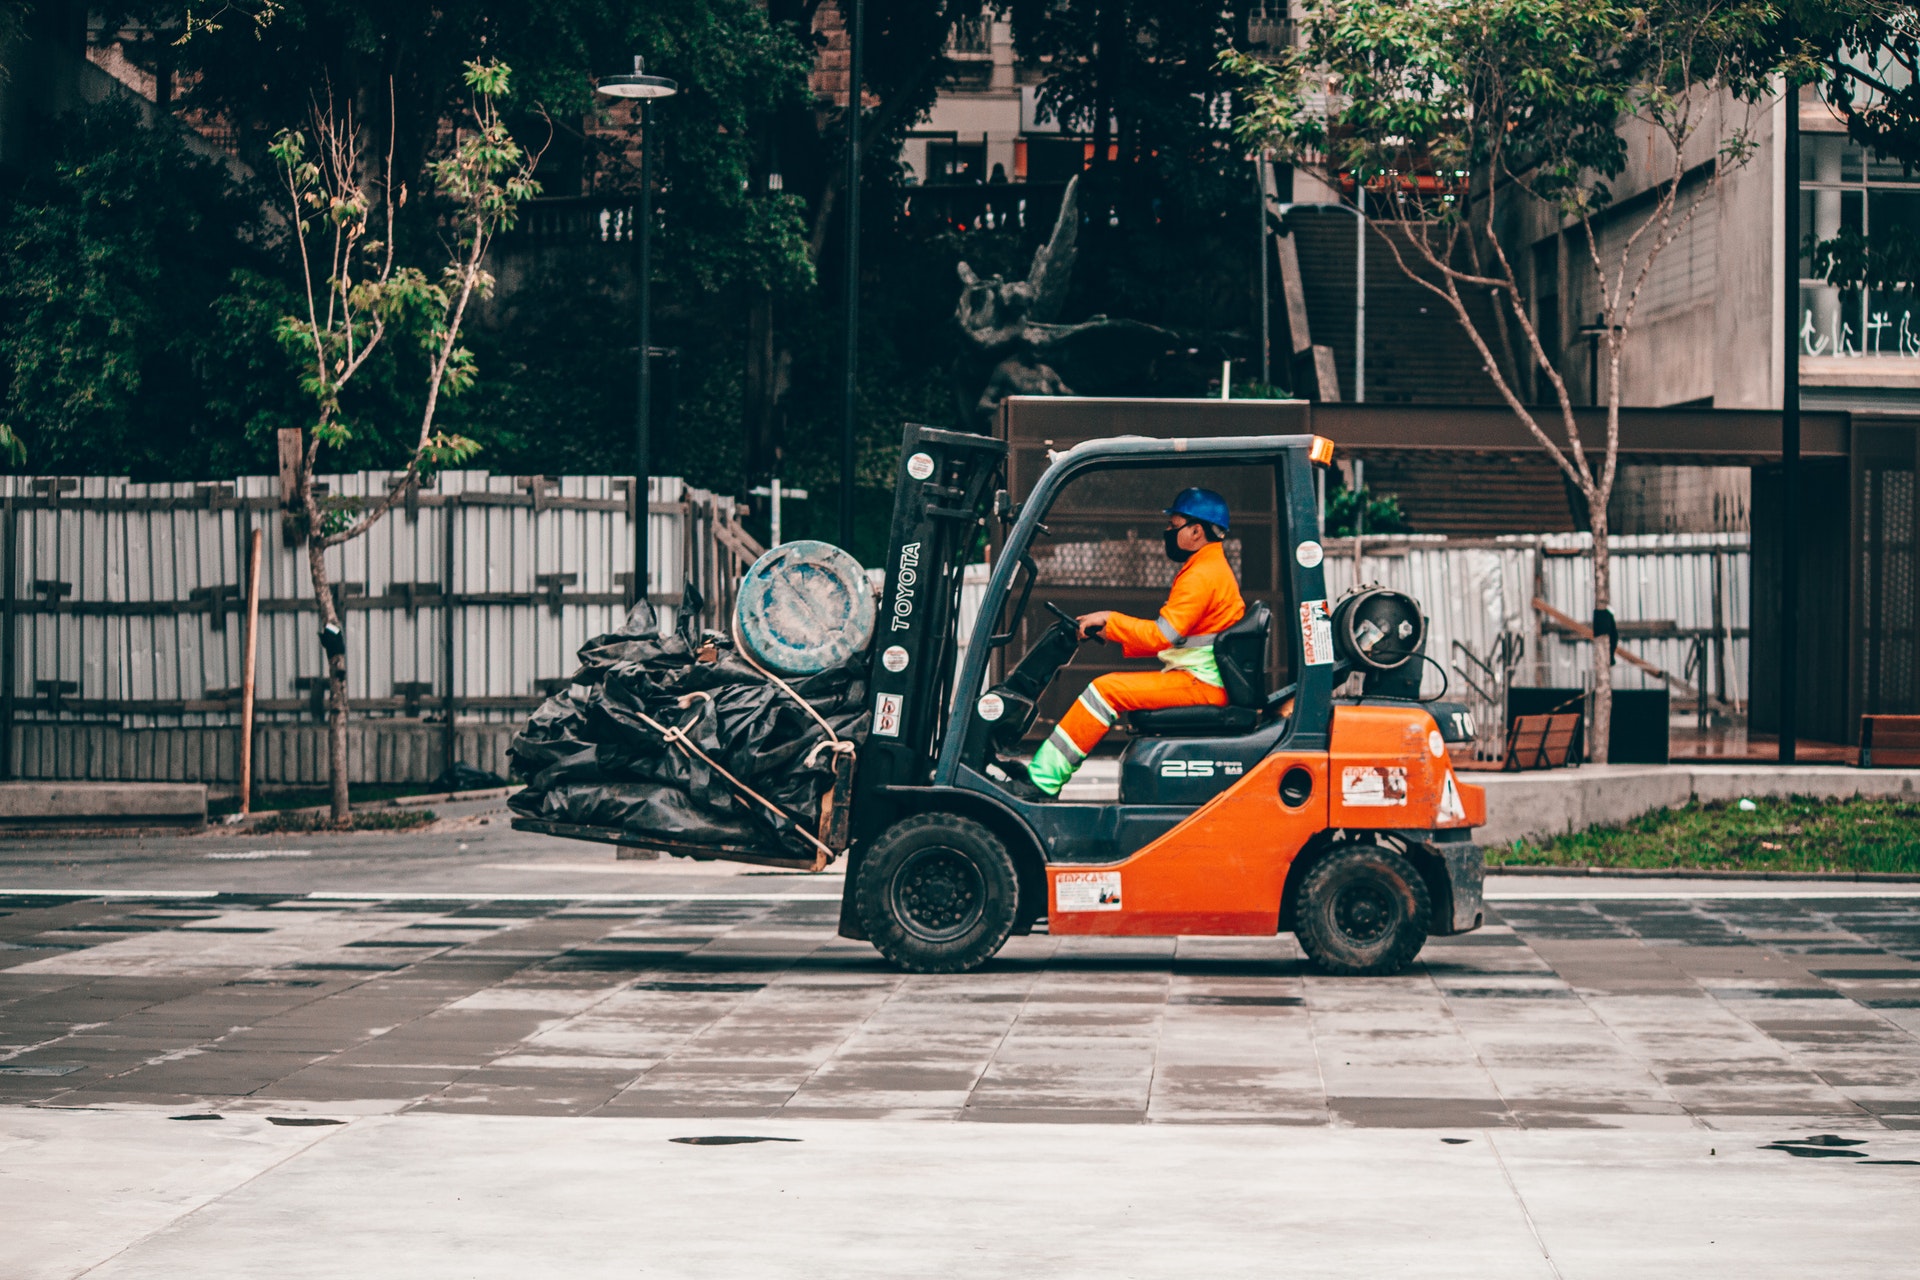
[677, 737]
[740, 647]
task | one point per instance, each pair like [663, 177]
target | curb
[1704, 873]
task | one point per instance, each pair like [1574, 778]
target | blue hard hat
[1200, 504]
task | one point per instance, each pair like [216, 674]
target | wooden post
[246, 675]
[449, 735]
[7, 622]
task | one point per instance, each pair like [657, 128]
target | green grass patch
[1794, 834]
[299, 822]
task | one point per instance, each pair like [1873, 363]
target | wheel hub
[938, 894]
[1363, 912]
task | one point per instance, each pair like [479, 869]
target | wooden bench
[1889, 742]
[1541, 742]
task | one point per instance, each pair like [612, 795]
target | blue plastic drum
[804, 607]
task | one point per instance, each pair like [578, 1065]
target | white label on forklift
[1451, 810]
[1372, 786]
[894, 659]
[920, 466]
[1316, 633]
[991, 706]
[886, 715]
[1086, 891]
[1308, 554]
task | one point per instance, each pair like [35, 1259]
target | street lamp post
[849, 411]
[1789, 692]
[645, 89]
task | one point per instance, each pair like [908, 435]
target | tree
[360, 293]
[134, 276]
[1446, 111]
[1142, 80]
[1867, 53]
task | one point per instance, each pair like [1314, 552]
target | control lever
[1071, 621]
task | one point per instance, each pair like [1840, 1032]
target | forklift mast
[946, 482]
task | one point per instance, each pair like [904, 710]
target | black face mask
[1175, 552]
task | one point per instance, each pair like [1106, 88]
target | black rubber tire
[937, 893]
[1363, 912]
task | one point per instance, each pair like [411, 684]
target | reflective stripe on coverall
[1204, 601]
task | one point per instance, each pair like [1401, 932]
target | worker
[1205, 600]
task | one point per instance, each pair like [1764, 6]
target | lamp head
[638, 85]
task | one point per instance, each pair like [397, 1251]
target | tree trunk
[1600, 730]
[342, 811]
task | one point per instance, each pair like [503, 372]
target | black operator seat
[1241, 653]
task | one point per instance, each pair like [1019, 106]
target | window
[956, 162]
[1842, 191]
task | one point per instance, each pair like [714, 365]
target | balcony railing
[574, 220]
[1020, 208]
[972, 37]
[1269, 28]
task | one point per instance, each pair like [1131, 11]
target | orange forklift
[1338, 818]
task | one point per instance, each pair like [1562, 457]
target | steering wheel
[1069, 619]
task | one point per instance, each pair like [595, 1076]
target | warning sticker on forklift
[1451, 810]
[1086, 891]
[886, 715]
[1316, 633]
[1372, 785]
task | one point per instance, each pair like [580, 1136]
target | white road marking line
[253, 854]
[428, 895]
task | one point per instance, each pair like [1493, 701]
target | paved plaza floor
[334, 1060]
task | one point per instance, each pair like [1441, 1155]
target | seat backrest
[1241, 653]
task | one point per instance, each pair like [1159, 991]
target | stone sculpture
[1010, 326]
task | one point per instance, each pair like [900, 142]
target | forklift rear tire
[937, 893]
[1363, 912]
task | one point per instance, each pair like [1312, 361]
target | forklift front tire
[937, 893]
[1363, 912]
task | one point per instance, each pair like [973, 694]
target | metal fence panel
[122, 640]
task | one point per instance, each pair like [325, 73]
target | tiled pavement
[1582, 1014]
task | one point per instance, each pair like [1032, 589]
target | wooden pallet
[1889, 742]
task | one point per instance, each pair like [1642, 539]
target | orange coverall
[1204, 601]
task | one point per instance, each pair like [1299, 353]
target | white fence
[122, 640]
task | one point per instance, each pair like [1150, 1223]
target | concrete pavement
[433, 1061]
[1626, 1012]
[122, 1195]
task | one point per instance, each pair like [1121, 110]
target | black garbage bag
[461, 776]
[590, 758]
